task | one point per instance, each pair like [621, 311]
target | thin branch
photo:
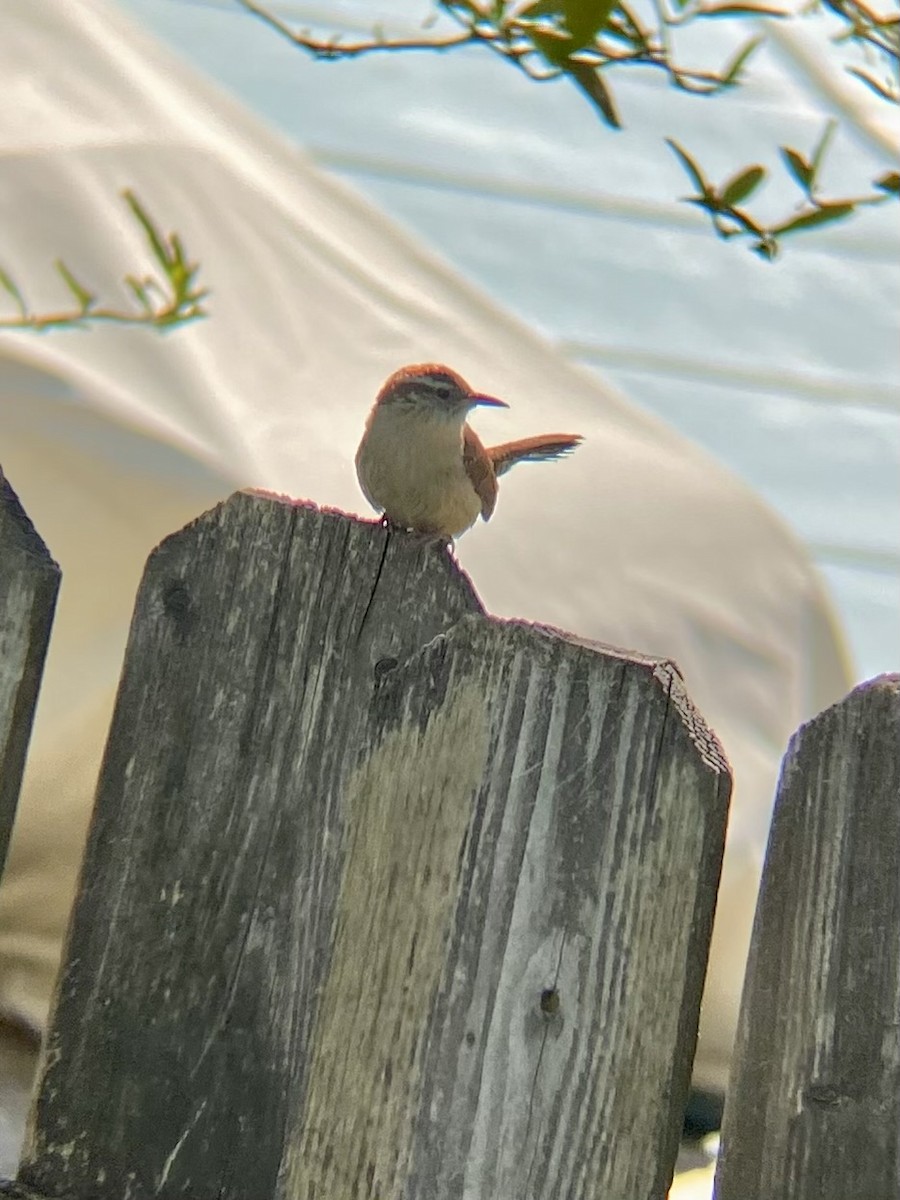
[333, 48]
[507, 42]
[512, 39]
[80, 319]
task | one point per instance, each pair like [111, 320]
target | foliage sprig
[585, 40]
[167, 298]
[724, 202]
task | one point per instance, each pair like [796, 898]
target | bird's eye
[443, 393]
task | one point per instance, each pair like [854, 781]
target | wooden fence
[29, 582]
[385, 898]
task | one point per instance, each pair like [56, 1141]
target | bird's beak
[487, 401]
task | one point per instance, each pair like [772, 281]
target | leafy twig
[722, 202]
[171, 297]
[551, 39]
[585, 40]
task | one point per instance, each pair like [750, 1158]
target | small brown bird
[424, 467]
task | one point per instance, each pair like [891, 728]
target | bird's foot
[440, 540]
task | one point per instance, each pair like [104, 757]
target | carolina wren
[424, 467]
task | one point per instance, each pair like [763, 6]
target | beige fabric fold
[116, 437]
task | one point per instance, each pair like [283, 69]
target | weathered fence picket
[813, 1109]
[382, 897]
[385, 898]
[29, 581]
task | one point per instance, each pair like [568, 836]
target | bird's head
[432, 390]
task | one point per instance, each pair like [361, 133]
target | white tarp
[115, 437]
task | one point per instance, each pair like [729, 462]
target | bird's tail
[546, 447]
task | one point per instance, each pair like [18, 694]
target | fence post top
[17, 533]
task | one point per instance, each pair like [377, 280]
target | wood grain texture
[813, 1111]
[533, 1032]
[17, 1191]
[382, 898]
[29, 582]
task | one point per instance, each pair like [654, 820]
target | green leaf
[889, 183]
[740, 186]
[585, 18]
[156, 240]
[697, 177]
[178, 271]
[83, 297]
[823, 215]
[731, 73]
[553, 45]
[589, 80]
[824, 141]
[801, 170]
[541, 8]
[140, 293]
[177, 250]
[10, 288]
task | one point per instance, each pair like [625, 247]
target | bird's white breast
[410, 466]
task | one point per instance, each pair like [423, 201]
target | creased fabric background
[115, 437]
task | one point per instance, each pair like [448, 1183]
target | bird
[423, 466]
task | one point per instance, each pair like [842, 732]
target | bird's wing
[544, 448]
[480, 470]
